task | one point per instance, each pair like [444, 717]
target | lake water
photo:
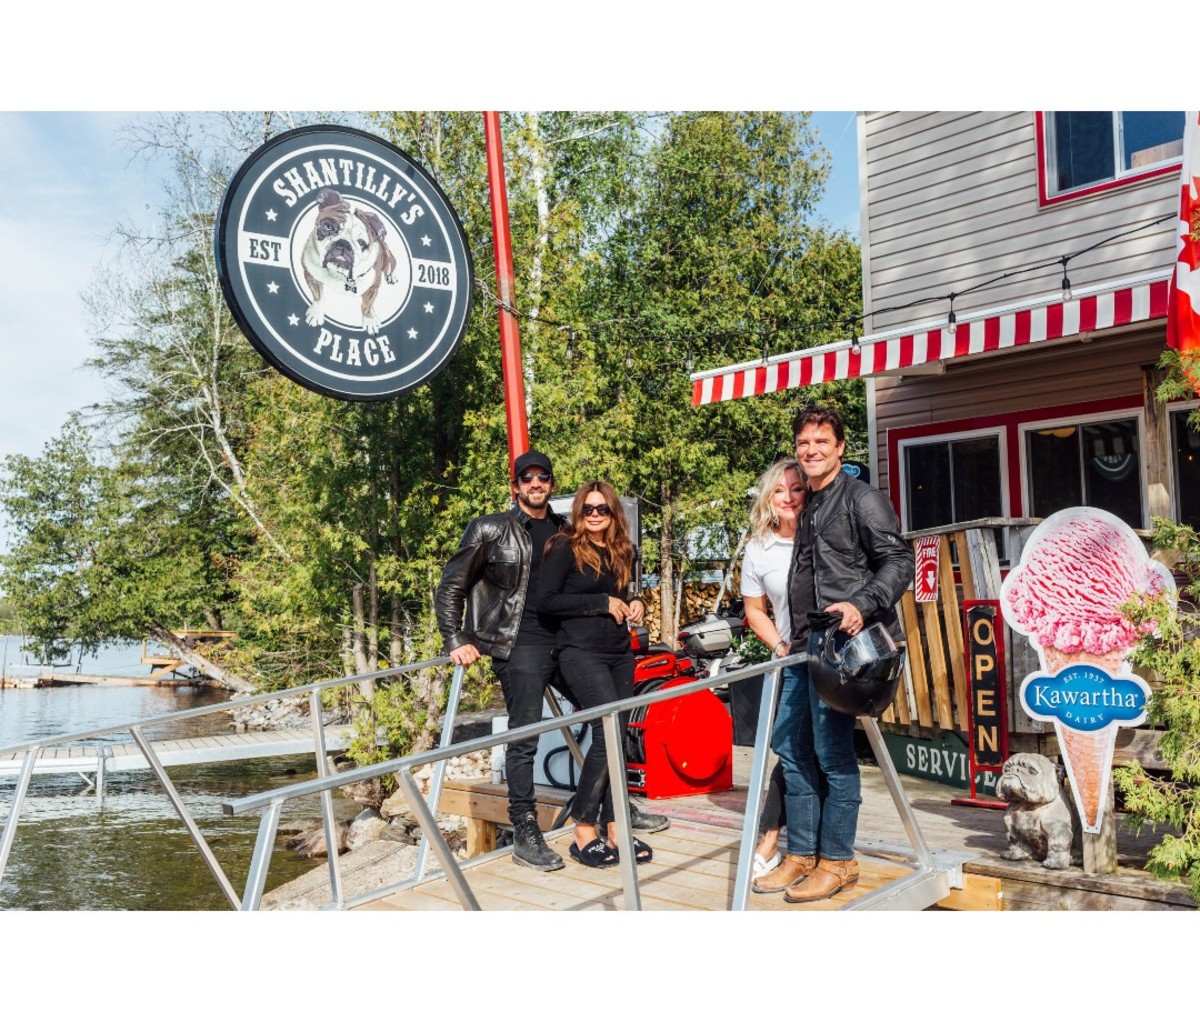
[133, 852]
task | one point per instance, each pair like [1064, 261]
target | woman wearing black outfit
[586, 574]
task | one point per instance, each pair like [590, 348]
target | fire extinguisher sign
[925, 581]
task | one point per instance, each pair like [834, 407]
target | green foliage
[98, 551]
[212, 487]
[1172, 652]
[751, 649]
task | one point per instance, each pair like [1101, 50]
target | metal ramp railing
[929, 878]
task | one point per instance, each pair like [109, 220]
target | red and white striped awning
[1044, 321]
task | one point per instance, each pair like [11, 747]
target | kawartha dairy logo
[344, 263]
[1086, 698]
[1077, 571]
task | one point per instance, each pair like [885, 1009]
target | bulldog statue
[1038, 822]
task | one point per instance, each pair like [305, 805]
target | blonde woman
[773, 521]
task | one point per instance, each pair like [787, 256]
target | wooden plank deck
[695, 862]
[694, 868]
[179, 751]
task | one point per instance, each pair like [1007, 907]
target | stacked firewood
[697, 601]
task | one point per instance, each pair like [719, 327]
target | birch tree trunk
[666, 570]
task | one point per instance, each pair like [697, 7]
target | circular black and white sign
[344, 263]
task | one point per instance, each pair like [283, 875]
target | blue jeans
[815, 746]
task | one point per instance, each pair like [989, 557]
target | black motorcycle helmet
[858, 675]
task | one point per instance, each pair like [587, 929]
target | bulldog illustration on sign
[346, 246]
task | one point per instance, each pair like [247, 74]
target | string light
[851, 323]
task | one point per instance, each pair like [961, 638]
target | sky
[68, 180]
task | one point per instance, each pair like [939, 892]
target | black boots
[530, 848]
[649, 822]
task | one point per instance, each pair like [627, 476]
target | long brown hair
[616, 535]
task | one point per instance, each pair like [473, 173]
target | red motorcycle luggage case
[680, 746]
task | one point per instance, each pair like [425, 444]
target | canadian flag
[1183, 306]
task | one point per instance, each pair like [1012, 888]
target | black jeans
[523, 680]
[595, 679]
[774, 814]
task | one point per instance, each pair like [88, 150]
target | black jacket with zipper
[488, 580]
[858, 555]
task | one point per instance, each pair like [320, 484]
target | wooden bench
[485, 804]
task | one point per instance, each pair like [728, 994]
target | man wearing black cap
[489, 577]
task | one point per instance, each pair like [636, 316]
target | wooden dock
[179, 751]
[694, 868]
[55, 679]
[695, 864]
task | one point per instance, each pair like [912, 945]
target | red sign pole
[510, 339]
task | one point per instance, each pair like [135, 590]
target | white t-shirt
[765, 573]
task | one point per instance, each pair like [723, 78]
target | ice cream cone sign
[1078, 568]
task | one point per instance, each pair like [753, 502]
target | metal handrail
[271, 803]
[232, 704]
[135, 728]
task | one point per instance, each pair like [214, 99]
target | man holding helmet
[849, 560]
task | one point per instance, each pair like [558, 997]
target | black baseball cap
[531, 459]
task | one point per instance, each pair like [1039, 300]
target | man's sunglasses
[602, 510]
[528, 477]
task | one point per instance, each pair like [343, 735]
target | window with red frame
[1090, 148]
[1094, 463]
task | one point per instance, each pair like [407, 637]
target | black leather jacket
[858, 554]
[488, 576]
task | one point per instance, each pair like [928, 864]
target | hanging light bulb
[688, 362]
[570, 342]
[952, 323]
[629, 360]
[1066, 281]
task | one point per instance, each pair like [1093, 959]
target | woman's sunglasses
[603, 510]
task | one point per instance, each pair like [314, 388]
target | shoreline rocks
[376, 849]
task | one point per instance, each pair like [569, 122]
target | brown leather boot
[829, 877]
[792, 870]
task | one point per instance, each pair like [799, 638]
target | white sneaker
[763, 866]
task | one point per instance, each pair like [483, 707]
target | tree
[100, 552]
[318, 528]
[711, 261]
[1171, 649]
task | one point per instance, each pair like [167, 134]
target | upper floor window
[1083, 151]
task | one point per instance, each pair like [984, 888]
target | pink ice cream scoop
[1067, 590]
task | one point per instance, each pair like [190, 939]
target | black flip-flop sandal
[595, 854]
[642, 852]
